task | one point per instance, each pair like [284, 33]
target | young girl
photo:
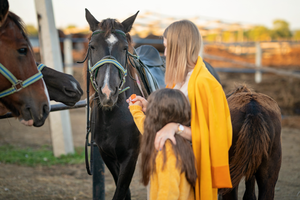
[171, 171]
[210, 130]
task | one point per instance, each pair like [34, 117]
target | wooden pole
[60, 126]
[68, 47]
[258, 58]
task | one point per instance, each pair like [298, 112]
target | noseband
[93, 70]
[18, 85]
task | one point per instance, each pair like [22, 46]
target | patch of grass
[42, 156]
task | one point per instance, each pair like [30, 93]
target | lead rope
[88, 126]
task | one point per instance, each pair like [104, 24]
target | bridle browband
[18, 85]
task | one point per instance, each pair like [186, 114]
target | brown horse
[22, 90]
[256, 144]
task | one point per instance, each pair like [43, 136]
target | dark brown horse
[256, 144]
[62, 87]
[112, 125]
[22, 89]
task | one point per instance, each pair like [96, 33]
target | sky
[253, 12]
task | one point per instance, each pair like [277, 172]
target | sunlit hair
[165, 106]
[183, 47]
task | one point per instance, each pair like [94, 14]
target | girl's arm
[168, 132]
[138, 101]
[136, 107]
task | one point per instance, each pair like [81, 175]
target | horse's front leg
[127, 168]
[232, 195]
[250, 189]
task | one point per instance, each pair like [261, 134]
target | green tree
[211, 37]
[281, 30]
[258, 33]
[31, 30]
[296, 35]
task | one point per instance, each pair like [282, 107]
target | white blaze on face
[111, 40]
[105, 88]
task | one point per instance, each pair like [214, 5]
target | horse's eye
[125, 48]
[22, 51]
[92, 47]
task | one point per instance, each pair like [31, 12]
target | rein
[18, 85]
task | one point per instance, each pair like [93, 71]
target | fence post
[258, 58]
[201, 52]
[68, 47]
[60, 125]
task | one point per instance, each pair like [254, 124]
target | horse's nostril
[46, 110]
[116, 90]
[70, 93]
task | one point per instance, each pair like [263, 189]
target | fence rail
[253, 66]
[55, 107]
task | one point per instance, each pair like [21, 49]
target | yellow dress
[167, 183]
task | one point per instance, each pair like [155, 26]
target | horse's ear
[127, 23]
[4, 6]
[91, 20]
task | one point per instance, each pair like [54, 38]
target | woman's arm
[168, 132]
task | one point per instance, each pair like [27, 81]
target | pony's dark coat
[256, 146]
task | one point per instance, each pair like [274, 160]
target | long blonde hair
[183, 47]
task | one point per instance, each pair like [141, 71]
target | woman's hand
[167, 132]
[138, 101]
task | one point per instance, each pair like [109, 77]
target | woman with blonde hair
[210, 130]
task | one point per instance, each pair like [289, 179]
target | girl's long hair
[183, 47]
[165, 106]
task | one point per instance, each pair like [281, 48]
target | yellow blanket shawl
[211, 132]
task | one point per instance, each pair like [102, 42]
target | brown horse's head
[30, 103]
[110, 40]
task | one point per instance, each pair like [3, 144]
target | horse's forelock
[108, 25]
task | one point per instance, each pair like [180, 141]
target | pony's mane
[239, 89]
[20, 24]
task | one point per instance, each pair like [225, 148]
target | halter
[18, 85]
[108, 59]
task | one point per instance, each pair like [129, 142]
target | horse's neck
[136, 86]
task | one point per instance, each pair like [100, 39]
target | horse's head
[62, 87]
[107, 56]
[22, 90]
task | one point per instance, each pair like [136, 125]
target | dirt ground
[71, 182]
